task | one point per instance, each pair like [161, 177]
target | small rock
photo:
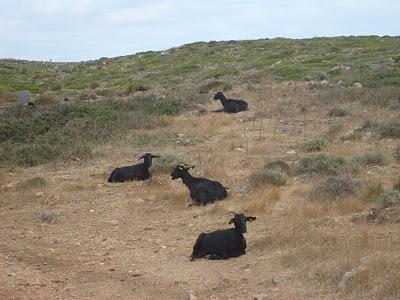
[91, 211]
[191, 295]
[324, 83]
[357, 85]
[340, 82]
[291, 152]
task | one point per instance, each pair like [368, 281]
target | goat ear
[231, 221]
[249, 219]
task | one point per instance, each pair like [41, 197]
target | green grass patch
[324, 165]
[339, 112]
[315, 145]
[372, 159]
[30, 138]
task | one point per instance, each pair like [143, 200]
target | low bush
[315, 145]
[322, 164]
[372, 159]
[335, 188]
[390, 129]
[269, 174]
[54, 132]
[339, 112]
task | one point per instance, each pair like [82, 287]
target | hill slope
[371, 60]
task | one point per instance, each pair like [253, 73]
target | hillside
[373, 61]
[316, 161]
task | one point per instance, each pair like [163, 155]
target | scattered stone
[357, 85]
[91, 211]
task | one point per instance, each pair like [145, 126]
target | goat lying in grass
[230, 105]
[222, 244]
[135, 172]
[202, 190]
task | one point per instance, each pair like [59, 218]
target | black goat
[135, 172]
[222, 244]
[230, 105]
[202, 190]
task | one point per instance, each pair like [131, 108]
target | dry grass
[33, 183]
[261, 201]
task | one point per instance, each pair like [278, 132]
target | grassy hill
[370, 60]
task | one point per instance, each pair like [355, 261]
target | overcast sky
[75, 30]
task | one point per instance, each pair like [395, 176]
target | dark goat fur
[135, 172]
[202, 190]
[230, 105]
[222, 244]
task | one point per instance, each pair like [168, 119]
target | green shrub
[315, 145]
[372, 159]
[339, 112]
[390, 129]
[279, 164]
[389, 198]
[322, 164]
[30, 138]
[335, 188]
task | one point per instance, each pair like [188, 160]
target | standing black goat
[222, 244]
[135, 172]
[202, 190]
[230, 105]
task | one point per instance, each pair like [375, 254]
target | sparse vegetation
[315, 145]
[339, 112]
[372, 192]
[372, 159]
[335, 188]
[166, 163]
[389, 198]
[279, 164]
[390, 129]
[62, 132]
[33, 183]
[322, 164]
[269, 175]
[50, 217]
